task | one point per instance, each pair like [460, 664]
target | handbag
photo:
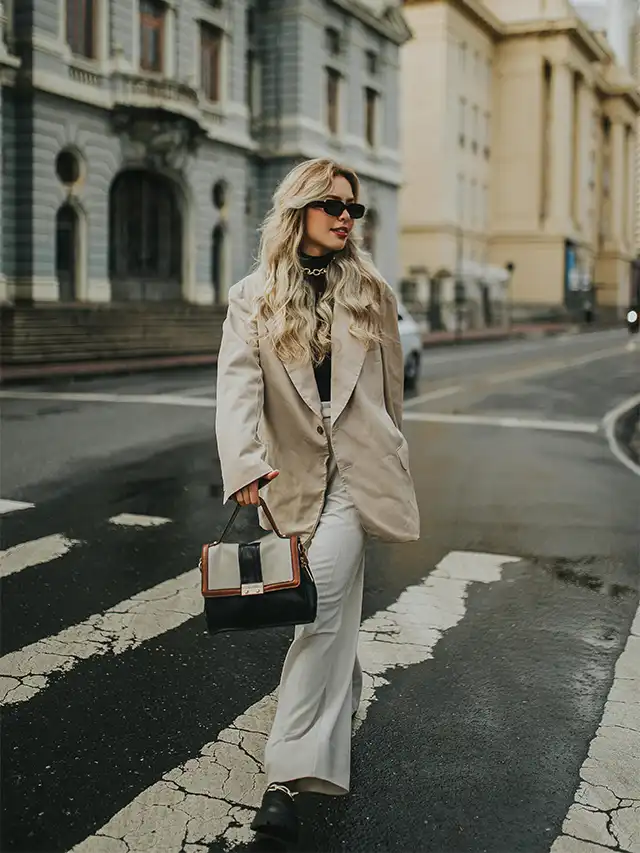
[262, 584]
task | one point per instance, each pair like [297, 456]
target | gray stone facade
[110, 117]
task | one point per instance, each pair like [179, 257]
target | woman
[309, 406]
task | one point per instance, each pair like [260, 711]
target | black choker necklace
[316, 265]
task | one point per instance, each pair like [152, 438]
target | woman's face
[324, 233]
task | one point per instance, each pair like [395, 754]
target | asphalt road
[502, 710]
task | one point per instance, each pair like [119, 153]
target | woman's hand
[249, 494]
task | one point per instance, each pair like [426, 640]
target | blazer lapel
[304, 380]
[347, 358]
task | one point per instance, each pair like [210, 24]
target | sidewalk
[517, 331]
[35, 372]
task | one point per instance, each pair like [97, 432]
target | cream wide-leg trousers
[321, 682]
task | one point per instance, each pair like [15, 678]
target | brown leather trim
[270, 587]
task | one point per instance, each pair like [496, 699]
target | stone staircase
[57, 334]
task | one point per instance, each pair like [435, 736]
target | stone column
[630, 180]
[561, 164]
[618, 175]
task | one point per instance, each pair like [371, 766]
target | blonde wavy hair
[301, 330]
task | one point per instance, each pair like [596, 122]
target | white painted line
[515, 423]
[438, 394]
[554, 366]
[214, 796]
[606, 809]
[200, 391]
[34, 553]
[127, 519]
[7, 506]
[127, 625]
[497, 349]
[91, 397]
[609, 424]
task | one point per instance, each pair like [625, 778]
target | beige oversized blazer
[269, 417]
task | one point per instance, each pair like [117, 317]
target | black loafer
[277, 816]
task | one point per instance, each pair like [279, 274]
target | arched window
[67, 252]
[218, 263]
[145, 237]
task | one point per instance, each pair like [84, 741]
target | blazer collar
[347, 358]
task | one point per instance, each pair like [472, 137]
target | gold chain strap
[314, 272]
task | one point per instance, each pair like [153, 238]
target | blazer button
[320, 430]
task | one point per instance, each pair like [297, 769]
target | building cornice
[391, 24]
[474, 10]
[613, 81]
[573, 27]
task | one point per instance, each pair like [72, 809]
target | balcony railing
[142, 90]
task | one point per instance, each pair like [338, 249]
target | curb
[622, 428]
[89, 369]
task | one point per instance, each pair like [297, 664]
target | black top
[322, 371]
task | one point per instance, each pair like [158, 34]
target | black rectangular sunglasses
[335, 207]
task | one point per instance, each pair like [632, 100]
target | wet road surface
[502, 710]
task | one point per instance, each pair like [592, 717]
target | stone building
[142, 140]
[522, 151]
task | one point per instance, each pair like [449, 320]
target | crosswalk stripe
[24, 673]
[128, 519]
[7, 506]
[606, 810]
[34, 553]
[214, 795]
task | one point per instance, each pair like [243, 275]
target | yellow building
[519, 141]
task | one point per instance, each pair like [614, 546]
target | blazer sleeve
[392, 361]
[240, 396]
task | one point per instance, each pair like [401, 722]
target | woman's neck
[315, 262]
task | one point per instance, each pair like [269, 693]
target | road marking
[516, 423]
[91, 397]
[214, 795]
[127, 519]
[127, 625]
[7, 506]
[609, 423]
[200, 391]
[34, 553]
[433, 395]
[553, 366]
[495, 349]
[606, 809]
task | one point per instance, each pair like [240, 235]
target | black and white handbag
[262, 584]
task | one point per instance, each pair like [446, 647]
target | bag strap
[234, 514]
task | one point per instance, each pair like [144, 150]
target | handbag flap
[279, 565]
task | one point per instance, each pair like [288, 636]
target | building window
[67, 252]
[475, 128]
[253, 66]
[462, 121]
[463, 56]
[370, 101]
[332, 37]
[210, 61]
[81, 27]
[369, 229]
[333, 100]
[218, 263]
[152, 17]
[371, 62]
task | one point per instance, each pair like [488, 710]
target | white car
[411, 340]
